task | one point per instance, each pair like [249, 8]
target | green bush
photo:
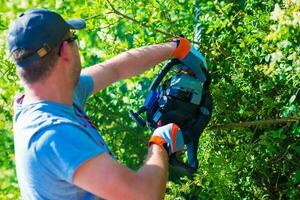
[253, 53]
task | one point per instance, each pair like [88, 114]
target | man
[59, 153]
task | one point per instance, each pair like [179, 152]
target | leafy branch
[145, 25]
[141, 23]
[136, 21]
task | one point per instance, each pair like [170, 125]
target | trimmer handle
[191, 136]
[192, 165]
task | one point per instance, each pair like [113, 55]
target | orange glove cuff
[182, 49]
[157, 140]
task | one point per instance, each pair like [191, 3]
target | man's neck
[45, 90]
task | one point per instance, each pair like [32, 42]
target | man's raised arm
[128, 64]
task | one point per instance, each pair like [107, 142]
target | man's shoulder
[41, 116]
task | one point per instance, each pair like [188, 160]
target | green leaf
[297, 149]
[297, 176]
[292, 99]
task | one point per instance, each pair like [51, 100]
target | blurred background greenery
[253, 53]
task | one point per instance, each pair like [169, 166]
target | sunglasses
[72, 38]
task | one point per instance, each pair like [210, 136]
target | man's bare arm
[106, 178]
[128, 64]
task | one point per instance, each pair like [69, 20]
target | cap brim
[76, 23]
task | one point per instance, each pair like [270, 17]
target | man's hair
[37, 70]
[40, 69]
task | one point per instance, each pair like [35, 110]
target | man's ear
[65, 51]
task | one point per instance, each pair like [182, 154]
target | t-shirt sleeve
[63, 148]
[83, 89]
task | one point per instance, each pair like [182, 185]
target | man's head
[35, 42]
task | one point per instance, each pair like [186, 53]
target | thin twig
[109, 25]
[136, 21]
[5, 72]
[91, 17]
[293, 162]
[284, 154]
[253, 123]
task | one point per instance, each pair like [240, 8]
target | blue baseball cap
[39, 30]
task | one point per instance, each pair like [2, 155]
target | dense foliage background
[253, 52]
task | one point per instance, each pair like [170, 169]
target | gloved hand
[183, 48]
[189, 55]
[168, 137]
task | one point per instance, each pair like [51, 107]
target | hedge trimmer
[183, 99]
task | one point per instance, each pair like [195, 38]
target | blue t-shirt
[51, 141]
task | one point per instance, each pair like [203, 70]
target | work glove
[168, 137]
[189, 55]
